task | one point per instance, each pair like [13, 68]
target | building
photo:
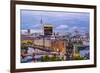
[48, 40]
[48, 29]
[59, 46]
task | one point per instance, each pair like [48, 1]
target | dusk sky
[61, 21]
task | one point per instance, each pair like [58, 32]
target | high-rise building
[28, 31]
[48, 29]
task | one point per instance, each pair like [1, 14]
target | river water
[85, 52]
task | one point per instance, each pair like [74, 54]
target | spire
[41, 22]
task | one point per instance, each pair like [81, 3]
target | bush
[53, 58]
[27, 42]
[24, 47]
[45, 58]
[77, 57]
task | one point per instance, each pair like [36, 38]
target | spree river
[85, 52]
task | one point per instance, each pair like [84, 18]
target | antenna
[41, 22]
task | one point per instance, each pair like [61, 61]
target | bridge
[42, 50]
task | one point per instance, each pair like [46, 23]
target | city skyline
[61, 21]
[54, 36]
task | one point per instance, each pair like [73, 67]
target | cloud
[36, 31]
[61, 15]
[32, 31]
[75, 28]
[80, 29]
[62, 27]
[66, 21]
[36, 25]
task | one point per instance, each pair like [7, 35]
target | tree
[45, 58]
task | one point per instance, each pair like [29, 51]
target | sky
[61, 21]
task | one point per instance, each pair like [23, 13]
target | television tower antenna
[41, 21]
